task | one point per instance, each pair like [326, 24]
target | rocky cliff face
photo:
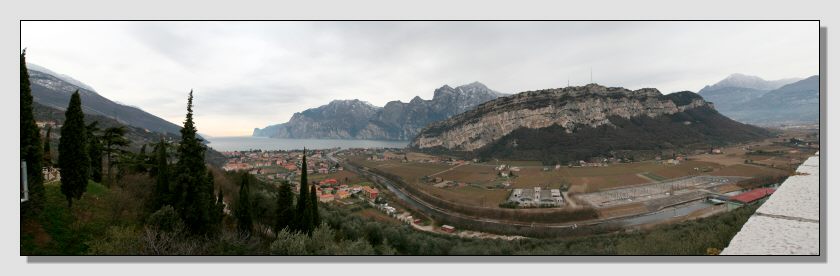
[568, 113]
[395, 121]
[570, 108]
[340, 119]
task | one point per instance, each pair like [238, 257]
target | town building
[326, 197]
[370, 192]
[751, 197]
[342, 194]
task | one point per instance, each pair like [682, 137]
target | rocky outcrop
[570, 112]
[395, 121]
[570, 108]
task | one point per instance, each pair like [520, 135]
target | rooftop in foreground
[789, 222]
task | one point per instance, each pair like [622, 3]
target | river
[242, 143]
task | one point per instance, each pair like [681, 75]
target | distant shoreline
[242, 143]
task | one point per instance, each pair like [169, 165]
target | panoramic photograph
[420, 138]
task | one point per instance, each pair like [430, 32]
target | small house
[326, 197]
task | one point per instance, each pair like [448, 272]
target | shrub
[289, 243]
[166, 219]
[118, 240]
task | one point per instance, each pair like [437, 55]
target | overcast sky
[252, 74]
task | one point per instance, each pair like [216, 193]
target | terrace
[788, 223]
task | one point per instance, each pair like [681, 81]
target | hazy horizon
[252, 74]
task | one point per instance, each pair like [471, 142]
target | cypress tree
[220, 207]
[315, 219]
[95, 151]
[30, 143]
[73, 158]
[244, 221]
[47, 152]
[216, 210]
[284, 214]
[302, 219]
[192, 196]
[161, 195]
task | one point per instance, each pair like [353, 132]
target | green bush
[118, 240]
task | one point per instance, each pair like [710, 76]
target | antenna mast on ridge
[590, 75]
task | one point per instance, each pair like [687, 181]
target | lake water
[263, 143]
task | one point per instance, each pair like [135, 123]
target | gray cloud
[251, 74]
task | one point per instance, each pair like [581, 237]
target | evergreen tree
[220, 207]
[315, 218]
[30, 143]
[216, 203]
[192, 196]
[114, 140]
[302, 219]
[94, 151]
[285, 213]
[73, 158]
[140, 161]
[161, 195]
[244, 221]
[47, 152]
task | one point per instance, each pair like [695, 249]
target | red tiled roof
[747, 197]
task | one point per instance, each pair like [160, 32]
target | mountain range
[51, 94]
[53, 90]
[577, 123]
[753, 100]
[355, 119]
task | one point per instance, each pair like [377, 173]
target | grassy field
[410, 171]
[481, 180]
[520, 163]
[653, 176]
[586, 179]
[467, 195]
[61, 231]
[343, 177]
[471, 174]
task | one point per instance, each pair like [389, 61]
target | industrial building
[537, 197]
